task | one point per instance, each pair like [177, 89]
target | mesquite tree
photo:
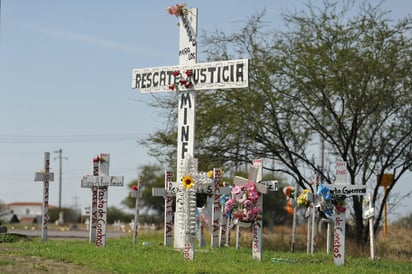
[338, 77]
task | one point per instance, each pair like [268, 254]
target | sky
[65, 83]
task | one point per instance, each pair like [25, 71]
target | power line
[83, 138]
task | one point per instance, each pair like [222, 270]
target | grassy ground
[149, 256]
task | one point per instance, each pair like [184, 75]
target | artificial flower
[250, 187]
[253, 195]
[243, 206]
[188, 73]
[187, 181]
[325, 192]
[303, 199]
[289, 191]
[177, 10]
[236, 190]
[340, 209]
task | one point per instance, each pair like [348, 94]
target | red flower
[172, 87]
[340, 209]
[176, 73]
[182, 81]
[134, 187]
[188, 73]
[96, 159]
[188, 84]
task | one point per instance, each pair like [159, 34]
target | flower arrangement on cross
[327, 200]
[99, 159]
[243, 205]
[177, 10]
[181, 80]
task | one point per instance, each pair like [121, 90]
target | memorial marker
[216, 208]
[255, 176]
[186, 78]
[167, 193]
[93, 207]
[137, 194]
[46, 177]
[102, 182]
[342, 188]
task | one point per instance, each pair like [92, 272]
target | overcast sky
[65, 83]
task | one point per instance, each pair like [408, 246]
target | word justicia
[164, 76]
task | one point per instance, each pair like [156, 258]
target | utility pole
[60, 157]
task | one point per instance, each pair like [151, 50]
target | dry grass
[396, 245]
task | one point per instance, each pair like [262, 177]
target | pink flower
[229, 205]
[254, 196]
[256, 210]
[177, 10]
[250, 186]
[236, 190]
[247, 203]
[239, 214]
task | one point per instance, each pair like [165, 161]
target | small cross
[255, 176]
[45, 177]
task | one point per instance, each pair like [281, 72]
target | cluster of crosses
[185, 79]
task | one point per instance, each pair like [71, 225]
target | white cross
[102, 182]
[255, 175]
[93, 208]
[45, 177]
[186, 78]
[342, 188]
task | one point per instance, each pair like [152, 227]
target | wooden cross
[137, 194]
[218, 224]
[102, 182]
[46, 176]
[368, 215]
[185, 79]
[93, 207]
[167, 193]
[342, 188]
[255, 175]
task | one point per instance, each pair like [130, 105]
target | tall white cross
[185, 79]
[46, 176]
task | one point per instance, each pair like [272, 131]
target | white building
[26, 212]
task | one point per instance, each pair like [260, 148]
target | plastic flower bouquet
[243, 206]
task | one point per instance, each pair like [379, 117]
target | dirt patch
[34, 265]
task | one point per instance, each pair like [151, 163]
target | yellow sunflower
[187, 181]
